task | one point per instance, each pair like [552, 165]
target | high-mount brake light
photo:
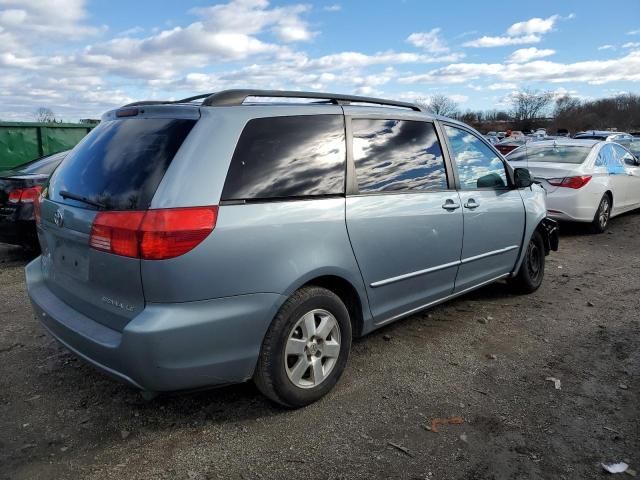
[127, 112]
[152, 234]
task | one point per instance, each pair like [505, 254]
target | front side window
[478, 165]
[397, 155]
[288, 157]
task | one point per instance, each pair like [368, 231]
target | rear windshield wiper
[80, 198]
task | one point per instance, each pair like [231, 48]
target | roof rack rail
[228, 98]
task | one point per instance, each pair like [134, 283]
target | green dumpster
[21, 142]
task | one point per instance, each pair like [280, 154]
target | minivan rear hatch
[117, 167]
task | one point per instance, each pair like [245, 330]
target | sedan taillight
[570, 182]
[24, 195]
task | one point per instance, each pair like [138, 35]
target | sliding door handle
[471, 204]
[450, 205]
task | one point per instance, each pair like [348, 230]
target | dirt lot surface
[484, 357]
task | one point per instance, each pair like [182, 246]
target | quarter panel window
[282, 157]
[478, 165]
[397, 155]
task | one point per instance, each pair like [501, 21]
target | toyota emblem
[58, 217]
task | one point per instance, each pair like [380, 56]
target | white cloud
[489, 42]
[607, 47]
[429, 41]
[336, 7]
[250, 17]
[631, 45]
[595, 72]
[532, 26]
[520, 33]
[633, 32]
[527, 54]
[502, 86]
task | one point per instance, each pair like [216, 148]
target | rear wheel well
[349, 296]
[610, 194]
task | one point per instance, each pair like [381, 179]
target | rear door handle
[450, 205]
[471, 204]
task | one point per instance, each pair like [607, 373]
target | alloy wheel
[312, 349]
[603, 212]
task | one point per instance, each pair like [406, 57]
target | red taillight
[24, 195]
[570, 182]
[117, 232]
[152, 234]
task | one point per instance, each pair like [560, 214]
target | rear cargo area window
[120, 164]
[288, 157]
[397, 155]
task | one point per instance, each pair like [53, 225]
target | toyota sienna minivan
[223, 238]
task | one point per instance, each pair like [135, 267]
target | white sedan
[586, 180]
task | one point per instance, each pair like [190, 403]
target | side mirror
[522, 178]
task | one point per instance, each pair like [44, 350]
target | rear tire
[531, 273]
[602, 216]
[305, 349]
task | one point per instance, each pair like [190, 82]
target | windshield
[550, 153]
[120, 164]
[635, 148]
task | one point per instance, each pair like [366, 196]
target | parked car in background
[285, 245]
[509, 144]
[19, 189]
[618, 137]
[586, 180]
[492, 139]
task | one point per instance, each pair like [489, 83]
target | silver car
[214, 240]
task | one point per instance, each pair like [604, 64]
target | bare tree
[528, 105]
[440, 105]
[45, 115]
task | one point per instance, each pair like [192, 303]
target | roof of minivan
[286, 99]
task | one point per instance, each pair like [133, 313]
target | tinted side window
[478, 165]
[280, 157]
[397, 155]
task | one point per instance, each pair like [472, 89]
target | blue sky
[80, 58]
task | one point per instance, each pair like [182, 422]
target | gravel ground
[484, 357]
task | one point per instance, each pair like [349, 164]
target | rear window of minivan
[120, 164]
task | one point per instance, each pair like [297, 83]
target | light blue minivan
[223, 238]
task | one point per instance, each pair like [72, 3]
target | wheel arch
[350, 291]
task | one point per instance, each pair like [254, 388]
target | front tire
[531, 273]
[305, 349]
[602, 216]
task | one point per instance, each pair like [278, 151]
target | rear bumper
[572, 205]
[166, 347]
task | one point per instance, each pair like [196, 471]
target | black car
[18, 190]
